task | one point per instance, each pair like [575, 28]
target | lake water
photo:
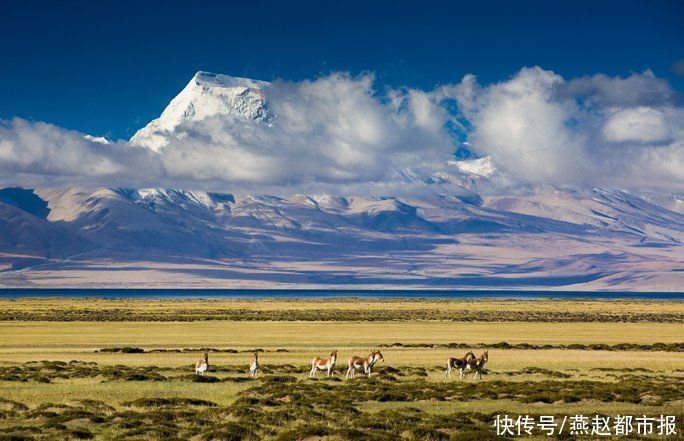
[322, 293]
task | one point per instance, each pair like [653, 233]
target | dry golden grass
[240, 334]
[473, 305]
[296, 342]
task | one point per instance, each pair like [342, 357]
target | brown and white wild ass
[323, 364]
[364, 363]
[477, 364]
[202, 364]
[254, 365]
[458, 363]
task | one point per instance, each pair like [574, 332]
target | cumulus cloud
[334, 129]
[638, 125]
[638, 89]
[338, 131]
[590, 131]
[41, 153]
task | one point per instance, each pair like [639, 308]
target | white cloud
[519, 124]
[48, 154]
[331, 130]
[637, 124]
[592, 131]
[338, 131]
[602, 90]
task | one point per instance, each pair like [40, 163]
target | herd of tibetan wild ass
[466, 363]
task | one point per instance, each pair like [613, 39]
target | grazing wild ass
[254, 365]
[202, 364]
[477, 364]
[323, 364]
[364, 363]
[458, 363]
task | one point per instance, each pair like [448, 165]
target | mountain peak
[206, 95]
[210, 79]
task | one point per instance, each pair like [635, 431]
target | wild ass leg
[352, 371]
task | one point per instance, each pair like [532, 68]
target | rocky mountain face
[547, 238]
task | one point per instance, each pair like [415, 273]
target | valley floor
[124, 368]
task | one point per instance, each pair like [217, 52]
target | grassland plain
[115, 369]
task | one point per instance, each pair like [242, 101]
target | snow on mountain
[613, 210]
[152, 222]
[481, 167]
[206, 95]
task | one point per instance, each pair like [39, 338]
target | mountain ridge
[229, 240]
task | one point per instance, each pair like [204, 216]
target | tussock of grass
[604, 369]
[46, 371]
[124, 350]
[127, 310]
[200, 378]
[665, 347]
[540, 371]
[133, 350]
[230, 432]
[81, 433]
[175, 401]
[286, 408]
[10, 405]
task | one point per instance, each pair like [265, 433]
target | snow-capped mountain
[448, 234]
[206, 95]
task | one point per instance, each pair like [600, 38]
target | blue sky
[108, 67]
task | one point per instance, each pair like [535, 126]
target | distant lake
[323, 293]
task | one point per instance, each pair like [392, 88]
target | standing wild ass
[323, 364]
[477, 364]
[364, 363]
[254, 365]
[458, 363]
[202, 364]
